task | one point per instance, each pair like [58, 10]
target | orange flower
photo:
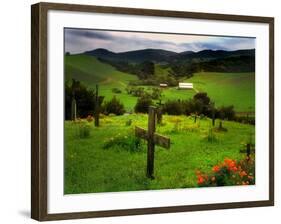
[230, 164]
[200, 179]
[250, 177]
[242, 173]
[216, 168]
[233, 168]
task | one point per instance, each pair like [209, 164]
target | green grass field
[237, 89]
[90, 168]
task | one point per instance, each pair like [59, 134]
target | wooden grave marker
[248, 150]
[152, 140]
[97, 112]
[213, 113]
[73, 109]
[159, 112]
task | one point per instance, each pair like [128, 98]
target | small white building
[163, 85]
[185, 85]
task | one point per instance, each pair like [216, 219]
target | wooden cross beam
[152, 140]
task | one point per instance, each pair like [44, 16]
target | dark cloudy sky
[80, 40]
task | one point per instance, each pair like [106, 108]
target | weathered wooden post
[73, 108]
[159, 113]
[97, 107]
[248, 150]
[150, 142]
[195, 118]
[213, 114]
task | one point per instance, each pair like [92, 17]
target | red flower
[216, 168]
[230, 164]
[200, 179]
[242, 173]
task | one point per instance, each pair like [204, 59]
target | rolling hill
[225, 88]
[159, 55]
[155, 55]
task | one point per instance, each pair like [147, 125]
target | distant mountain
[186, 53]
[159, 55]
[155, 55]
[102, 53]
[215, 54]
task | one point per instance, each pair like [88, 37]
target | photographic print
[140, 111]
[152, 111]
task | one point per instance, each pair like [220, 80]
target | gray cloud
[80, 40]
[77, 33]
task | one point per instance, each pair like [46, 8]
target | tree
[226, 112]
[146, 70]
[114, 106]
[173, 107]
[85, 99]
[143, 104]
[201, 103]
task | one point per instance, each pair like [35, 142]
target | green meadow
[89, 167]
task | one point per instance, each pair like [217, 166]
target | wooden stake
[73, 109]
[150, 142]
[97, 107]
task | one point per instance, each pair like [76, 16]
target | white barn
[185, 85]
[163, 85]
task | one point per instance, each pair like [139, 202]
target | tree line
[200, 104]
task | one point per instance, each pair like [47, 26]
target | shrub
[135, 91]
[116, 90]
[211, 136]
[84, 130]
[228, 173]
[245, 119]
[203, 97]
[226, 112]
[85, 99]
[90, 118]
[128, 122]
[143, 104]
[114, 106]
[127, 142]
[156, 93]
[173, 107]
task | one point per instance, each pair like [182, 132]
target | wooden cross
[97, 107]
[152, 140]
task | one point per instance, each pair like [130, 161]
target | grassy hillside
[91, 71]
[91, 168]
[236, 89]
